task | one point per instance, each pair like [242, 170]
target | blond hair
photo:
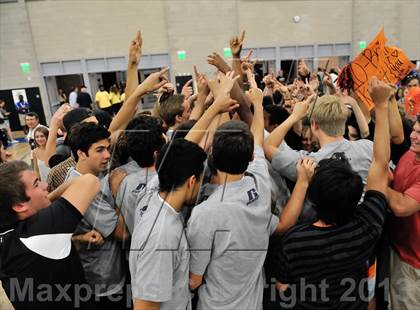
[170, 108]
[330, 113]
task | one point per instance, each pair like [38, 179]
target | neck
[84, 169]
[321, 223]
[175, 199]
[224, 177]
[324, 139]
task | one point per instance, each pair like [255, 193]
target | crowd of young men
[195, 197]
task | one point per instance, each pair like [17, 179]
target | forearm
[127, 111]
[277, 136]
[199, 129]
[402, 205]
[395, 122]
[236, 67]
[381, 143]
[198, 109]
[244, 111]
[50, 147]
[257, 127]
[292, 210]
[54, 195]
[132, 80]
[120, 232]
[207, 139]
[361, 121]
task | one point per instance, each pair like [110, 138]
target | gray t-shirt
[102, 264]
[228, 237]
[159, 255]
[359, 153]
[130, 187]
[130, 167]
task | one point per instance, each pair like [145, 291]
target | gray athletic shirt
[133, 184]
[102, 264]
[159, 255]
[359, 153]
[228, 238]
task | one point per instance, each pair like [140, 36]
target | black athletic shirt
[337, 255]
[39, 266]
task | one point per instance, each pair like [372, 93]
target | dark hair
[277, 97]
[83, 135]
[233, 147]
[12, 191]
[177, 161]
[44, 131]
[335, 190]
[104, 119]
[276, 114]
[32, 114]
[144, 140]
[267, 100]
[183, 129]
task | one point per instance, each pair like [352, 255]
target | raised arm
[236, 92]
[55, 124]
[222, 103]
[236, 48]
[273, 141]
[395, 123]
[124, 115]
[305, 170]
[378, 171]
[203, 91]
[358, 114]
[134, 55]
[255, 96]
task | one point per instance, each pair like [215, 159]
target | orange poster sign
[387, 63]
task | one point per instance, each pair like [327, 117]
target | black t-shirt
[40, 268]
[334, 257]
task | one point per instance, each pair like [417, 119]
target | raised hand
[223, 103]
[236, 44]
[303, 68]
[154, 81]
[57, 118]
[300, 109]
[305, 169]
[227, 81]
[187, 89]
[216, 60]
[379, 91]
[202, 84]
[327, 80]
[313, 82]
[135, 50]
[255, 95]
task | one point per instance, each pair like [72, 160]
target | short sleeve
[59, 218]
[152, 274]
[274, 222]
[414, 191]
[372, 213]
[259, 164]
[200, 235]
[285, 159]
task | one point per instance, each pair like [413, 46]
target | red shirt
[405, 233]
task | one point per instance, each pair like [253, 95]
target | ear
[81, 154]
[178, 119]
[20, 208]
[191, 181]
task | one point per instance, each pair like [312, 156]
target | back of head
[83, 135]
[12, 191]
[330, 113]
[183, 129]
[177, 161]
[75, 116]
[335, 190]
[276, 114]
[170, 108]
[233, 147]
[104, 119]
[144, 140]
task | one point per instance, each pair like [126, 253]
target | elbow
[364, 134]
[397, 140]
[399, 210]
